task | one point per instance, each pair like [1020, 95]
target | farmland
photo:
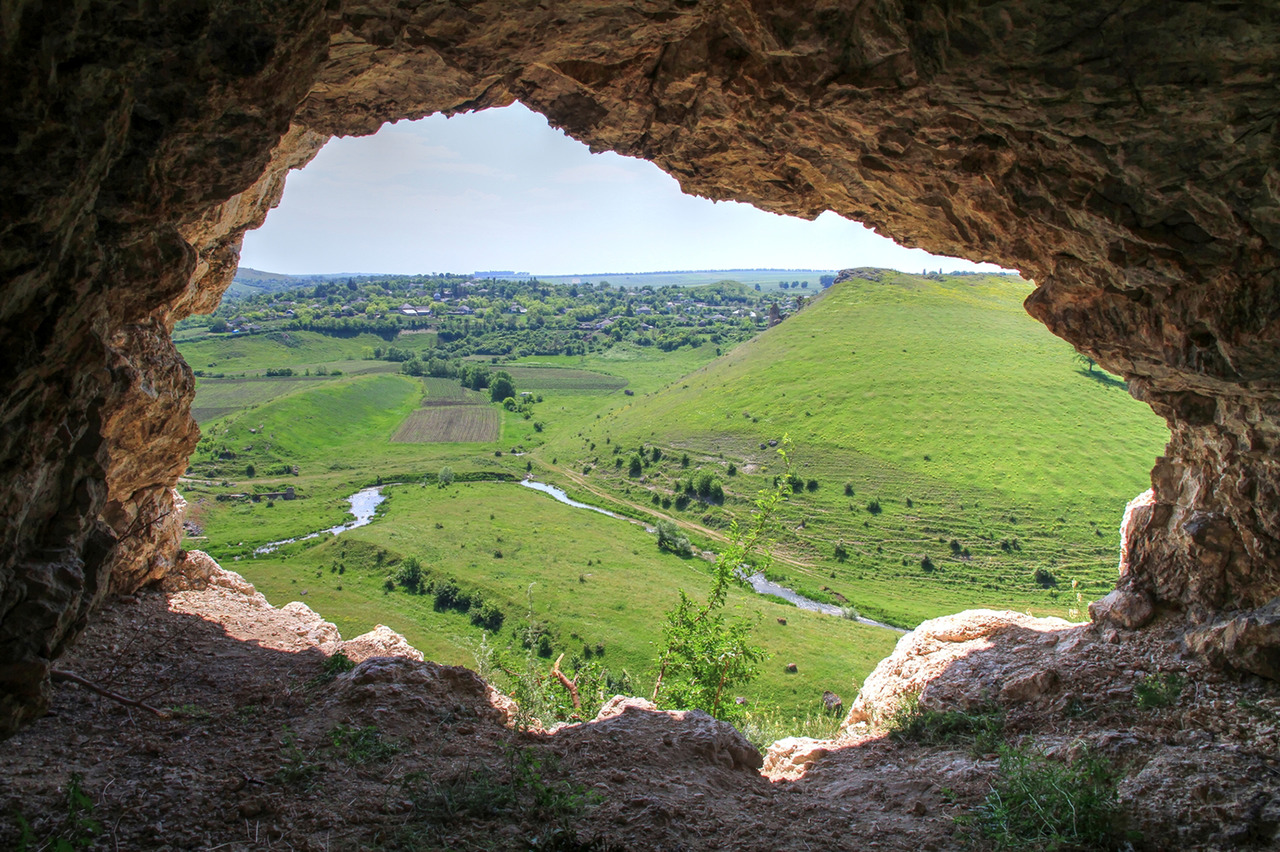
[945, 450]
[449, 424]
[561, 379]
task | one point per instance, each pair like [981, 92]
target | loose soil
[262, 750]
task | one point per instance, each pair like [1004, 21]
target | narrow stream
[363, 505]
[757, 581]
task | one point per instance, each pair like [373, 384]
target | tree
[636, 467]
[218, 326]
[670, 538]
[501, 386]
[705, 654]
[250, 471]
[445, 476]
[1085, 360]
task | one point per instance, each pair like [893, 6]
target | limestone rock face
[1124, 159]
[968, 660]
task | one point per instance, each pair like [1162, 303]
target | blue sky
[501, 189]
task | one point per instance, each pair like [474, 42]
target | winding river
[761, 584]
[364, 503]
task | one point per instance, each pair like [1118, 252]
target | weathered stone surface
[1126, 159]
[1123, 608]
[968, 660]
[1247, 642]
[192, 571]
[381, 641]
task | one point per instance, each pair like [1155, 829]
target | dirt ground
[264, 746]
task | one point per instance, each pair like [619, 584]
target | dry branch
[59, 676]
[570, 685]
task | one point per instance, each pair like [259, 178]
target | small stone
[792, 668]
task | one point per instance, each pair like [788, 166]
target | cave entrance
[881, 383]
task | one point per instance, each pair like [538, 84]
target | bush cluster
[448, 595]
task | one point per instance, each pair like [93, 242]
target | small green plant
[78, 830]
[1041, 804]
[298, 769]
[331, 668]
[362, 745]
[704, 654]
[189, 711]
[528, 787]
[763, 726]
[1158, 690]
[982, 729]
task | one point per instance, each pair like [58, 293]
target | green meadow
[946, 447]
[946, 452]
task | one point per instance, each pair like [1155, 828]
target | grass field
[986, 452]
[220, 397]
[563, 378]
[595, 580]
[450, 392]
[449, 423]
[942, 402]
[235, 353]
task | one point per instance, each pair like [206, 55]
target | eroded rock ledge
[259, 744]
[1125, 158]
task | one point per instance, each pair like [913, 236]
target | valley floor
[266, 744]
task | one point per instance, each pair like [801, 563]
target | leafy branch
[705, 653]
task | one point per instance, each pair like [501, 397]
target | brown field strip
[449, 424]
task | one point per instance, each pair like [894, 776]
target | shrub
[927, 564]
[1044, 578]
[1158, 690]
[636, 467]
[1041, 804]
[487, 616]
[874, 507]
[811, 485]
[733, 469]
[447, 595]
[848, 489]
[410, 575]
[671, 538]
[980, 729]
[841, 553]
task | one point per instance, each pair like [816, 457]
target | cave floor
[262, 749]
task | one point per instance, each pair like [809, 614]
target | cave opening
[996, 541]
[1126, 162]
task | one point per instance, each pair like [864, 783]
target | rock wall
[1124, 157]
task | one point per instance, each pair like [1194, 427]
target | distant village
[510, 313]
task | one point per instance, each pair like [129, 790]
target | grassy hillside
[946, 448]
[940, 400]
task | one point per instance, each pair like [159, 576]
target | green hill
[984, 450]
